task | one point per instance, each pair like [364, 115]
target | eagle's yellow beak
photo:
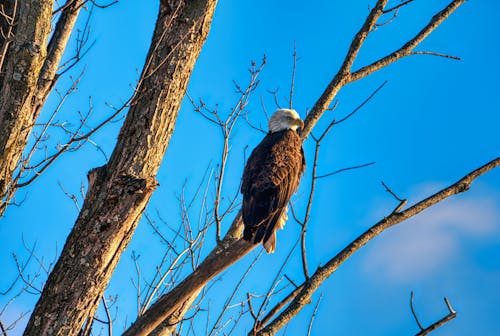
[299, 123]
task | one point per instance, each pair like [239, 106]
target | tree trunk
[119, 191]
[22, 61]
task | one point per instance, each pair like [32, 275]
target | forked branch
[424, 331]
[345, 76]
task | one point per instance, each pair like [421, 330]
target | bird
[270, 178]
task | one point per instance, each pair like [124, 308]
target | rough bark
[119, 191]
[21, 67]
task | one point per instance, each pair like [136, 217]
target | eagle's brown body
[271, 176]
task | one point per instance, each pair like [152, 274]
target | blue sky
[434, 121]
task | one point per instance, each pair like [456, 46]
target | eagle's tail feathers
[270, 243]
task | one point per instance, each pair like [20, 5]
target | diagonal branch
[323, 272]
[55, 49]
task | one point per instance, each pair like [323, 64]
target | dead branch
[272, 288]
[82, 40]
[397, 7]
[105, 5]
[409, 46]
[345, 169]
[433, 53]
[109, 323]
[76, 138]
[363, 103]
[231, 249]
[343, 75]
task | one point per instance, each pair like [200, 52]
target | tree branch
[450, 316]
[322, 273]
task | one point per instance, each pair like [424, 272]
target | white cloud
[421, 246]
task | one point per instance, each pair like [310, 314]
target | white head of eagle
[271, 176]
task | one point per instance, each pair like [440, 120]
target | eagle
[271, 176]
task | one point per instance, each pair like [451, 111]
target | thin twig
[412, 295]
[105, 5]
[294, 68]
[110, 321]
[402, 202]
[404, 3]
[363, 103]
[345, 169]
[4, 332]
[309, 329]
[273, 286]
[236, 288]
[432, 53]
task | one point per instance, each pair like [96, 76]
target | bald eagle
[272, 174]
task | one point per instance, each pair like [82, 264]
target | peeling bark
[119, 191]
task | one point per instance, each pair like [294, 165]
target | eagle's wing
[271, 176]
